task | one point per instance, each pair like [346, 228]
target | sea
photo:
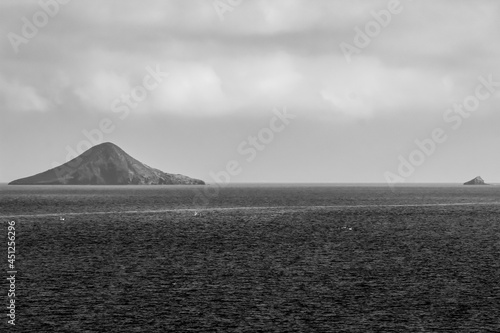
[251, 258]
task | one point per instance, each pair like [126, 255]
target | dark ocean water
[18, 200]
[144, 263]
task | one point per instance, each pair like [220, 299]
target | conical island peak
[105, 164]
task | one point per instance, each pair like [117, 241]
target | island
[105, 164]
[476, 181]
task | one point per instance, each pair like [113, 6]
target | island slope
[476, 181]
[105, 164]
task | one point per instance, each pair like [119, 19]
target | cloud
[283, 52]
[101, 89]
[15, 96]
[190, 89]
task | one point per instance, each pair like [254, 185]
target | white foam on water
[288, 208]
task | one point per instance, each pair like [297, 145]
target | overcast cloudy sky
[230, 64]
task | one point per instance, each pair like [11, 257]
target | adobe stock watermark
[30, 28]
[121, 105]
[223, 6]
[454, 117]
[249, 149]
[371, 30]
[11, 272]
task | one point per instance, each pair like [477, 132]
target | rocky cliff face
[476, 181]
[105, 164]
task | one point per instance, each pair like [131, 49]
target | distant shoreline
[264, 184]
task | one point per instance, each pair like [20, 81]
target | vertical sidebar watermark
[11, 272]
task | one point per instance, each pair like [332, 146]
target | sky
[255, 90]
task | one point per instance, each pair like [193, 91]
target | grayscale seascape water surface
[277, 258]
